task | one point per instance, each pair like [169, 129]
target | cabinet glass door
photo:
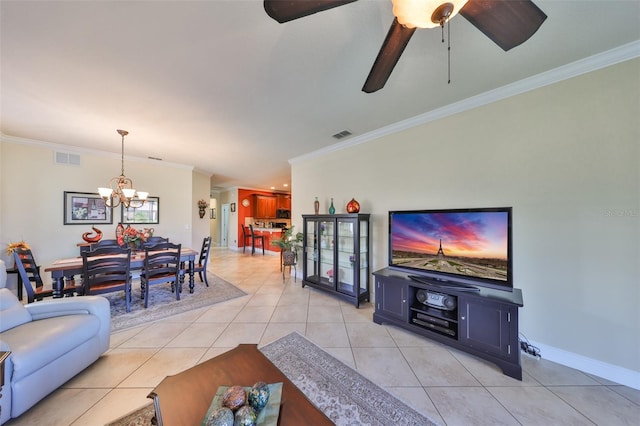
[347, 262]
[363, 266]
[311, 250]
[326, 230]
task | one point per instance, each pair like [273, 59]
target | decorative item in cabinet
[332, 209]
[336, 255]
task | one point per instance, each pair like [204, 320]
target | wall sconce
[202, 205]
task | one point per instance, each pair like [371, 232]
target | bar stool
[255, 237]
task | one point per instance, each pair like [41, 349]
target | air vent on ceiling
[67, 158]
[342, 134]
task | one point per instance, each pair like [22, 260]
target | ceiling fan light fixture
[425, 13]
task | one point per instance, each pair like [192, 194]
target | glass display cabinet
[336, 255]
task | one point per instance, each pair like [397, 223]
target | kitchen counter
[270, 230]
[269, 234]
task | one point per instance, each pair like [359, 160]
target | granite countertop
[278, 230]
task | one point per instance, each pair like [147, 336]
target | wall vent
[67, 158]
[342, 134]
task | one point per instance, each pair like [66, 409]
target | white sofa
[50, 342]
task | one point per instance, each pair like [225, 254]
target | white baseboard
[617, 374]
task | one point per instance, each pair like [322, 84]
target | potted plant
[289, 244]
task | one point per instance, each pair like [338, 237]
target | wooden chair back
[161, 265]
[152, 241]
[203, 259]
[107, 269]
[255, 238]
[30, 277]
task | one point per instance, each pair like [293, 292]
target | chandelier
[121, 189]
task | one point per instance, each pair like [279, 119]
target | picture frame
[233, 207]
[85, 208]
[149, 212]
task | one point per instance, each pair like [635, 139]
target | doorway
[224, 226]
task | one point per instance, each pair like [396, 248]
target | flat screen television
[456, 248]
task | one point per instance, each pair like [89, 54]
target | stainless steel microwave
[283, 214]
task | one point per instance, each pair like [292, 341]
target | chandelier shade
[121, 190]
[425, 13]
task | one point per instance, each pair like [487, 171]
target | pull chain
[448, 22]
[449, 52]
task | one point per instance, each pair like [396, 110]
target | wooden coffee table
[185, 398]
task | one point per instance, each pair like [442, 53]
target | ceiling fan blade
[508, 23]
[397, 39]
[288, 10]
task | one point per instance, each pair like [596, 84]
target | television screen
[468, 246]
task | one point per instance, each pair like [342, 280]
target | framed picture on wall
[85, 208]
[233, 207]
[149, 212]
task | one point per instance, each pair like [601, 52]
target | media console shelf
[483, 323]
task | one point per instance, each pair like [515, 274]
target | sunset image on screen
[465, 243]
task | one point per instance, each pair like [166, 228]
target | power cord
[528, 348]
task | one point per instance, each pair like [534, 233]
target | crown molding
[81, 150]
[583, 66]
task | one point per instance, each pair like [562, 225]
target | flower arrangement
[132, 236]
[202, 204]
[20, 244]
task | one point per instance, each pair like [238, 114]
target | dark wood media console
[483, 323]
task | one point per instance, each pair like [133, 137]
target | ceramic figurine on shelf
[332, 210]
[353, 206]
[316, 206]
[92, 238]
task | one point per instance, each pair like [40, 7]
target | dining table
[67, 269]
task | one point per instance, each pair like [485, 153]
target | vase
[332, 209]
[353, 206]
[316, 206]
[119, 231]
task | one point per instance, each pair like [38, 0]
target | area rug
[345, 396]
[163, 303]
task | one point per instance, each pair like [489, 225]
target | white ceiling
[219, 85]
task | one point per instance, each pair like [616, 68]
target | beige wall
[566, 158]
[32, 187]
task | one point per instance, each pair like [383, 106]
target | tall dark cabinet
[482, 323]
[336, 255]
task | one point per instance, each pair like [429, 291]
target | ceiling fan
[508, 23]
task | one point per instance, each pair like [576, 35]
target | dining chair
[246, 237]
[255, 238]
[203, 259]
[29, 273]
[106, 270]
[105, 243]
[161, 265]
[151, 241]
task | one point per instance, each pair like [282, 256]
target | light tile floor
[450, 386]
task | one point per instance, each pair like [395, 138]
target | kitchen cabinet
[283, 202]
[264, 206]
